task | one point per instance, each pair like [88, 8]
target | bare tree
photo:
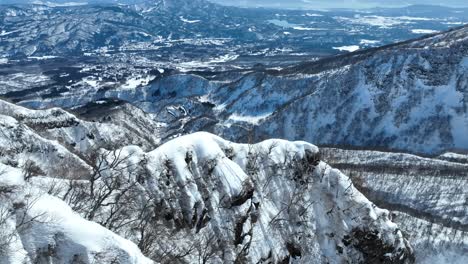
[30, 169]
[207, 248]
[106, 186]
[7, 234]
[16, 217]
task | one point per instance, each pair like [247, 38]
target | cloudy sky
[311, 4]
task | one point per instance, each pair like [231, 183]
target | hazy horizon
[285, 4]
[318, 4]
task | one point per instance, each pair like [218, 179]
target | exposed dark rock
[376, 251]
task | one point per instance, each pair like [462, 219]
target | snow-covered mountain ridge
[196, 198]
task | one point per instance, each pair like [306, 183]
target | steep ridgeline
[197, 198]
[428, 197]
[411, 96]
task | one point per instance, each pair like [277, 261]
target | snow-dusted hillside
[194, 30]
[195, 198]
[455, 157]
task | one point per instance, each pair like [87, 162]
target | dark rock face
[294, 250]
[376, 251]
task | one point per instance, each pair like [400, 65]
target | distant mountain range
[181, 30]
